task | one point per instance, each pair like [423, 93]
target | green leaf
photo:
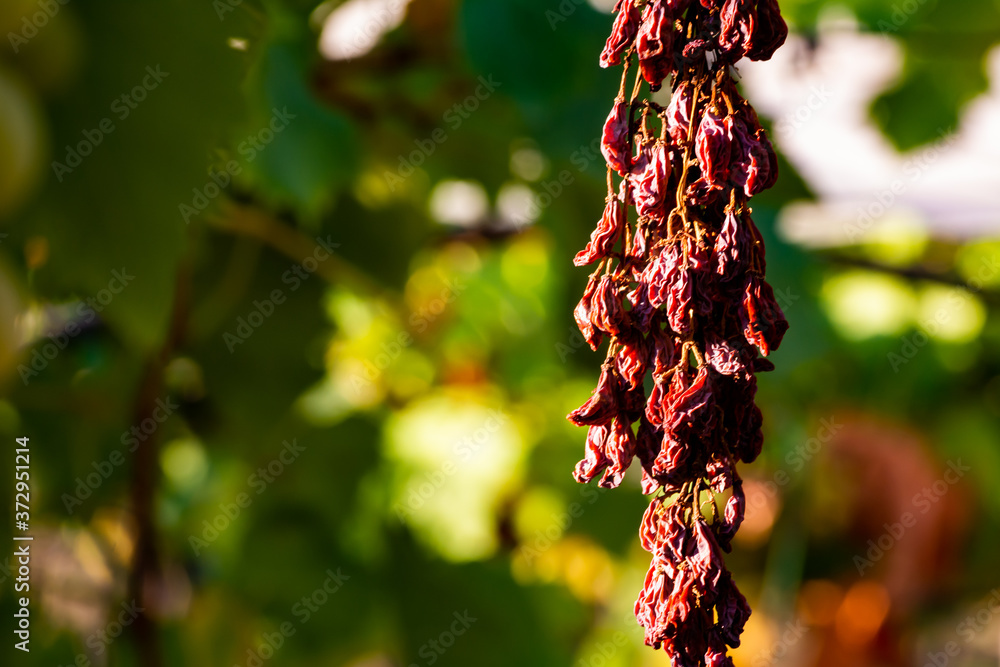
[118, 208]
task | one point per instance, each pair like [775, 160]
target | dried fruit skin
[679, 293]
[614, 141]
[654, 45]
[738, 20]
[714, 146]
[770, 31]
[623, 34]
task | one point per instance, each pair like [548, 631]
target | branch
[914, 273]
[146, 566]
[257, 224]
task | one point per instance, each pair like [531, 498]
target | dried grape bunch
[679, 292]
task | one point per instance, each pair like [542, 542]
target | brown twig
[145, 573]
[258, 224]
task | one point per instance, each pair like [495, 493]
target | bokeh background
[286, 297]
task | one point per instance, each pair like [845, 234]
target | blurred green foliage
[383, 360]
